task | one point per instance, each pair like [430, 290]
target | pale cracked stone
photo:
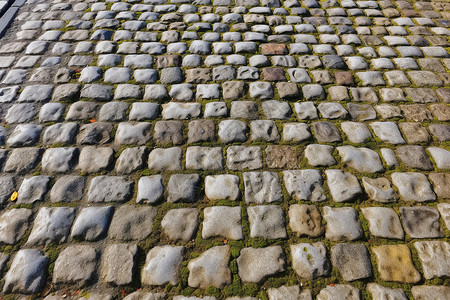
[254, 265]
[305, 220]
[342, 224]
[339, 292]
[52, 224]
[379, 189]
[204, 158]
[424, 292]
[441, 157]
[380, 292]
[352, 261]
[210, 268]
[356, 132]
[27, 273]
[132, 133]
[413, 186]
[343, 185]
[421, 222]
[132, 222]
[181, 111]
[262, 187]
[94, 159]
[59, 160]
[13, 224]
[165, 159]
[435, 258]
[242, 157]
[304, 185]
[388, 132]
[320, 155]
[310, 260]
[109, 189]
[118, 263]
[75, 265]
[222, 187]
[141, 295]
[267, 221]
[150, 189]
[288, 293]
[222, 221]
[92, 223]
[395, 264]
[383, 222]
[180, 224]
[361, 159]
[163, 265]
[444, 209]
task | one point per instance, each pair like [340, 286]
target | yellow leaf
[14, 196]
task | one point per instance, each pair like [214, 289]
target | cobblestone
[172, 144]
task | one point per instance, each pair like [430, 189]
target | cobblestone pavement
[225, 149]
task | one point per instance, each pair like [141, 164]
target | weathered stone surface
[379, 189]
[118, 263]
[242, 157]
[168, 132]
[132, 222]
[130, 160]
[339, 292]
[13, 224]
[362, 159]
[150, 189]
[444, 209]
[440, 156]
[165, 159]
[33, 189]
[163, 265]
[326, 132]
[395, 264]
[27, 273]
[413, 186]
[22, 160]
[352, 261]
[92, 223]
[68, 188]
[282, 157]
[95, 133]
[310, 260]
[222, 221]
[414, 157]
[320, 155]
[342, 224]
[204, 158]
[222, 187]
[52, 224]
[387, 132]
[132, 133]
[109, 189]
[7, 185]
[183, 188]
[305, 220]
[94, 159]
[180, 223]
[383, 222]
[262, 187]
[422, 292]
[435, 258]
[288, 293]
[141, 295]
[266, 221]
[210, 268]
[304, 185]
[255, 265]
[343, 185]
[380, 292]
[75, 265]
[421, 222]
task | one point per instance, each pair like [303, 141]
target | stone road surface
[225, 149]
